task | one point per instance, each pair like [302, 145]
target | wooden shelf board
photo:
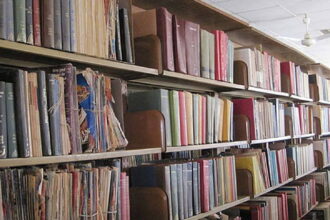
[202, 80]
[325, 166]
[268, 92]
[273, 188]
[325, 134]
[40, 56]
[323, 102]
[309, 210]
[299, 98]
[270, 140]
[208, 16]
[220, 208]
[305, 174]
[16, 162]
[205, 146]
[304, 136]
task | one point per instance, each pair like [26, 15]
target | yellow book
[226, 120]
[189, 114]
[250, 162]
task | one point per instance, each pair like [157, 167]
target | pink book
[183, 119]
[204, 193]
[123, 195]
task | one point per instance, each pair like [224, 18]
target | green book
[11, 121]
[205, 54]
[175, 117]
[20, 20]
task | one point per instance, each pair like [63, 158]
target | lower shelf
[309, 210]
[220, 208]
[270, 140]
[273, 188]
[17, 162]
[305, 174]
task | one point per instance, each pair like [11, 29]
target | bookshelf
[325, 134]
[303, 136]
[32, 161]
[305, 174]
[262, 141]
[223, 145]
[313, 206]
[268, 92]
[300, 99]
[220, 208]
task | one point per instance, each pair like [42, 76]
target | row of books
[266, 118]
[322, 146]
[320, 212]
[138, 160]
[322, 113]
[322, 181]
[302, 118]
[277, 160]
[303, 157]
[185, 47]
[79, 192]
[189, 118]
[191, 187]
[297, 81]
[271, 206]
[264, 70]
[57, 111]
[320, 86]
[70, 26]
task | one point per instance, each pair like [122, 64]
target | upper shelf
[24, 55]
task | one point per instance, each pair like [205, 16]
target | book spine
[179, 45]
[66, 25]
[21, 113]
[217, 54]
[29, 22]
[11, 121]
[166, 112]
[195, 187]
[164, 32]
[183, 119]
[185, 189]
[3, 121]
[180, 190]
[43, 109]
[10, 20]
[174, 192]
[20, 20]
[3, 19]
[36, 23]
[190, 188]
[57, 25]
[125, 35]
[73, 42]
[48, 24]
[53, 92]
[204, 185]
[119, 51]
[76, 114]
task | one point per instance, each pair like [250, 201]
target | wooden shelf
[303, 136]
[273, 188]
[24, 55]
[299, 98]
[220, 208]
[322, 102]
[200, 12]
[268, 92]
[270, 140]
[205, 146]
[324, 134]
[309, 210]
[305, 174]
[17, 162]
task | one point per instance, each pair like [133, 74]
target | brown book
[48, 37]
[157, 22]
[192, 39]
[180, 61]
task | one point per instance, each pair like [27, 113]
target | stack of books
[266, 117]
[303, 157]
[272, 206]
[191, 187]
[321, 179]
[57, 111]
[96, 28]
[81, 191]
[264, 70]
[302, 195]
[137, 160]
[185, 47]
[190, 118]
[298, 80]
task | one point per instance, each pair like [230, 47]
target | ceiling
[284, 18]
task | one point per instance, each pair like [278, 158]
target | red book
[203, 119]
[36, 22]
[192, 39]
[128, 211]
[246, 107]
[204, 176]
[183, 119]
[221, 41]
[287, 68]
[123, 196]
[180, 61]
[164, 32]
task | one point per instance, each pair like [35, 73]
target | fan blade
[322, 37]
[289, 38]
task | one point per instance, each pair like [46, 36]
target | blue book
[190, 188]
[174, 192]
[180, 190]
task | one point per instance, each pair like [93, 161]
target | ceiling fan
[308, 40]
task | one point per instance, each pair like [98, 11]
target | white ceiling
[284, 18]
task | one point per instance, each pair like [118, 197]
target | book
[125, 36]
[48, 24]
[205, 54]
[3, 20]
[3, 121]
[58, 24]
[20, 20]
[65, 20]
[183, 119]
[11, 121]
[180, 59]
[36, 14]
[192, 41]
[29, 21]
